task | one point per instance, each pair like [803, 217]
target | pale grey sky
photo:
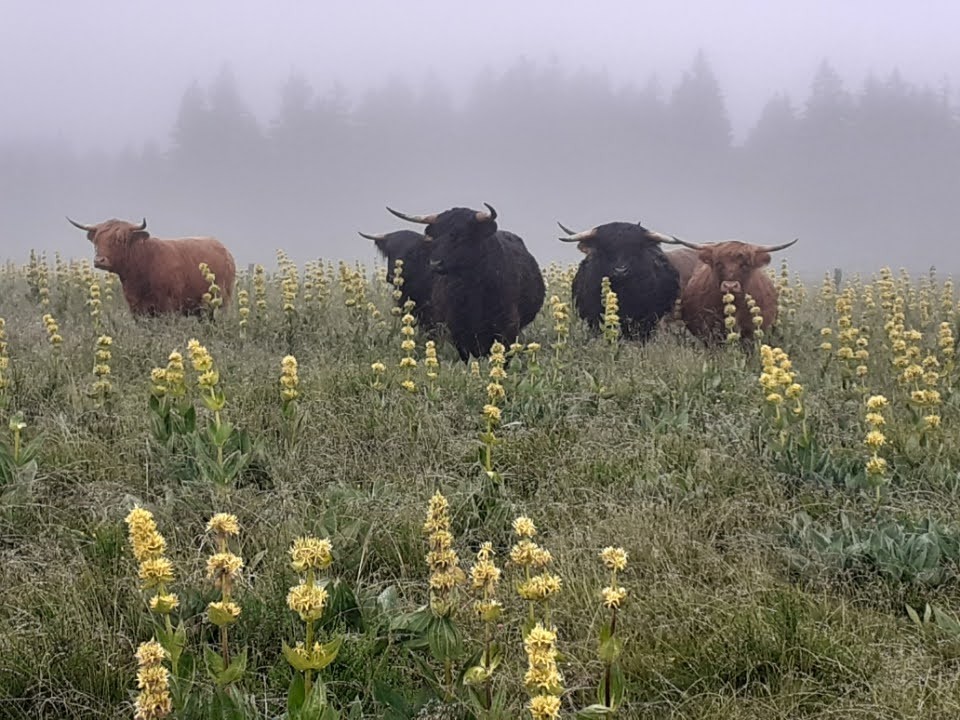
[110, 72]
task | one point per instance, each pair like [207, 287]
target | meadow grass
[769, 573]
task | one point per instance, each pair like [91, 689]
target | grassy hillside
[769, 570]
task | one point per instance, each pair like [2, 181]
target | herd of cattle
[480, 283]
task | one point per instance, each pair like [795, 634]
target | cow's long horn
[88, 228]
[774, 248]
[380, 236]
[422, 219]
[661, 238]
[567, 230]
[143, 225]
[577, 237]
[687, 244]
[491, 214]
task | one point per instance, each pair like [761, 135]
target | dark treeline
[864, 177]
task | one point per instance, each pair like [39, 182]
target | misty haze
[293, 128]
[385, 360]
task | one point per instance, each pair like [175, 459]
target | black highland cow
[412, 248]
[486, 286]
[645, 281]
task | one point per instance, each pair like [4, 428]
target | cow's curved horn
[491, 214]
[567, 230]
[143, 225]
[88, 228]
[695, 246]
[577, 237]
[379, 236]
[422, 219]
[661, 238]
[774, 248]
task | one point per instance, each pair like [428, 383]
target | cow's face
[733, 262]
[621, 249]
[112, 241]
[453, 236]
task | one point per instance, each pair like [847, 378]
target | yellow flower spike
[875, 440]
[540, 587]
[307, 600]
[164, 603]
[310, 553]
[524, 527]
[615, 558]
[151, 653]
[224, 524]
[223, 567]
[613, 597]
[223, 613]
[153, 701]
[491, 413]
[876, 466]
[156, 572]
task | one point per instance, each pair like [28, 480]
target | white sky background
[107, 73]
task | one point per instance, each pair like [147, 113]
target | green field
[769, 574]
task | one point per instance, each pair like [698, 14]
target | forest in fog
[863, 173]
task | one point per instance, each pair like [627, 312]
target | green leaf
[213, 662]
[386, 695]
[296, 694]
[476, 675]
[617, 686]
[389, 599]
[610, 648]
[327, 653]
[297, 661]
[592, 712]
[342, 606]
[914, 616]
[444, 638]
[416, 622]
[189, 417]
[234, 671]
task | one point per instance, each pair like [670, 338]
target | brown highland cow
[160, 276]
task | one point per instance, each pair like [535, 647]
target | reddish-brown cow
[159, 276]
[730, 267]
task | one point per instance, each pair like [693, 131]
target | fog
[292, 124]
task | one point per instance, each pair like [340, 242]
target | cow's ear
[91, 235]
[706, 255]
[761, 258]
[585, 248]
[139, 235]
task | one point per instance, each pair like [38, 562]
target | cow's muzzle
[730, 286]
[621, 271]
[101, 263]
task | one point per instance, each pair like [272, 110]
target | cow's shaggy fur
[410, 247]
[728, 267]
[161, 276]
[487, 286]
[645, 282]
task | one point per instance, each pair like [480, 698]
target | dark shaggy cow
[732, 267]
[645, 281]
[412, 248]
[487, 286]
[159, 276]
